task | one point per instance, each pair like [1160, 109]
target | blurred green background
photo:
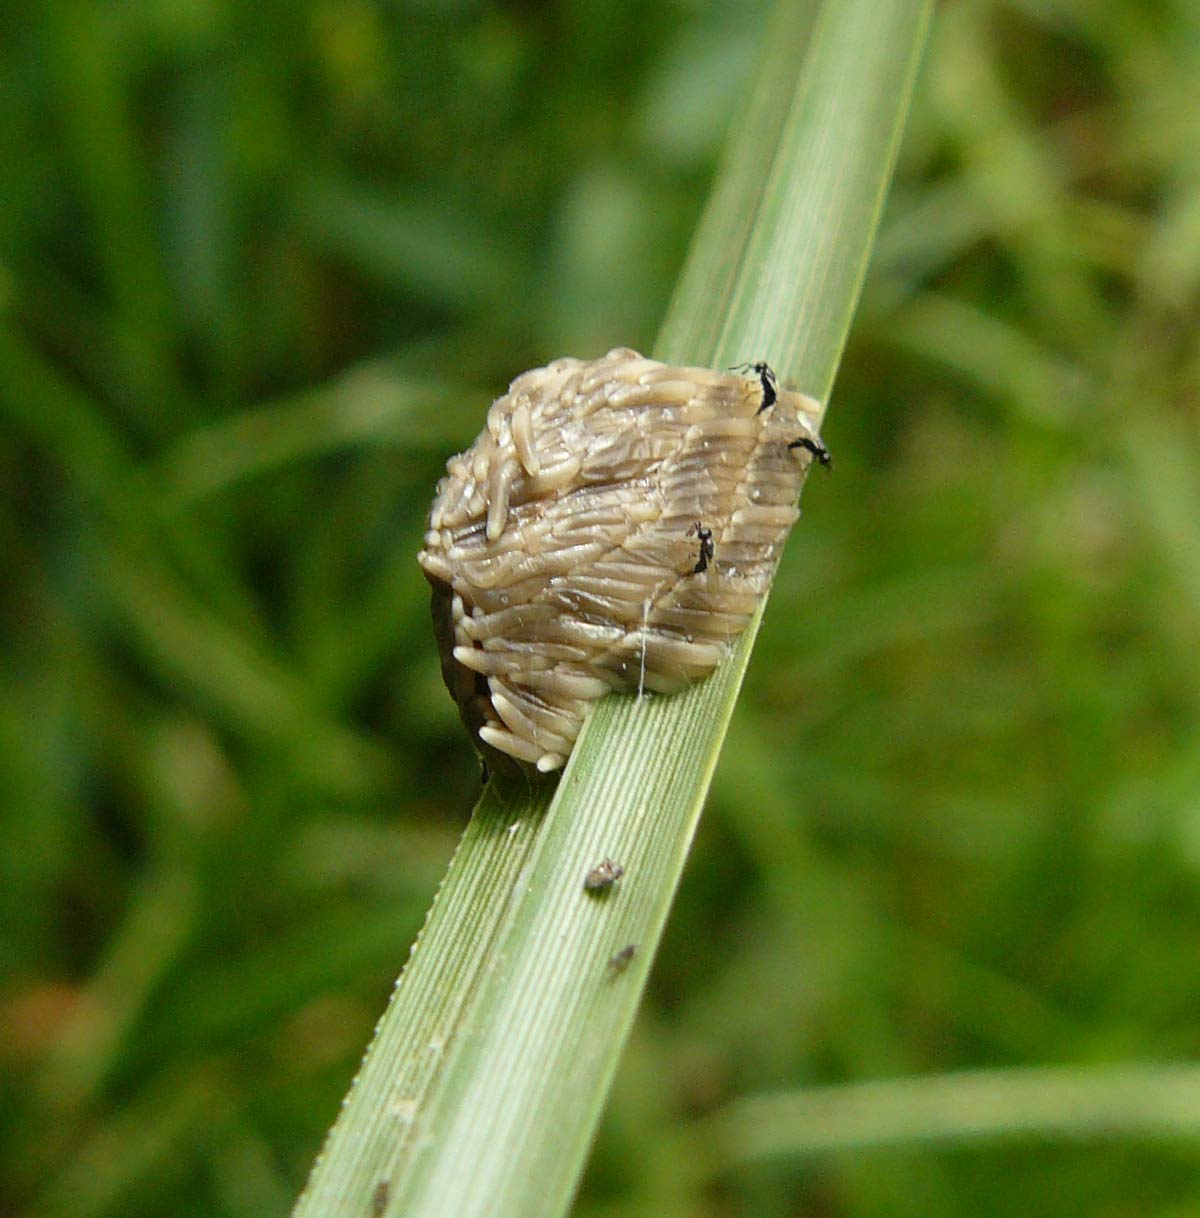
[264, 266]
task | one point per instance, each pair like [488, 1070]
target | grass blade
[483, 1088]
[1076, 1102]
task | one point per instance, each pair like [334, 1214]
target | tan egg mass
[613, 527]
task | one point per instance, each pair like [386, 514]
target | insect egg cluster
[612, 527]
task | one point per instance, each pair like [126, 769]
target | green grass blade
[489, 1071]
[1077, 1102]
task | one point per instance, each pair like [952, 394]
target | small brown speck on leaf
[618, 962]
[380, 1198]
[603, 876]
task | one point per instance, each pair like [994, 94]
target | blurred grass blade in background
[481, 1092]
[1080, 1102]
